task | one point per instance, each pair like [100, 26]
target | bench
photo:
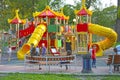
[113, 60]
[50, 60]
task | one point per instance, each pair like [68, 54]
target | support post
[87, 68]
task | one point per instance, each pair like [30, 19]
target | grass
[102, 78]
[24, 76]
[28, 76]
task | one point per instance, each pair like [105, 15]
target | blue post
[87, 64]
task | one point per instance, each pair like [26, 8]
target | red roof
[82, 12]
[47, 12]
[16, 21]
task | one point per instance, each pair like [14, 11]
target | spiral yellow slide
[109, 34]
[35, 38]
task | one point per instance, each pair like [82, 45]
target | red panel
[26, 31]
[52, 42]
[45, 34]
[42, 41]
[82, 27]
[20, 33]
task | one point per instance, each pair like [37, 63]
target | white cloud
[107, 3]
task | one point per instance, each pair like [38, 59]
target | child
[68, 44]
[43, 50]
[32, 50]
[90, 50]
[93, 56]
[37, 51]
[118, 49]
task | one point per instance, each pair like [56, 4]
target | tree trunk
[117, 26]
[117, 29]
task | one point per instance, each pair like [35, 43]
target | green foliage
[40, 5]
[118, 43]
[69, 11]
[8, 11]
[78, 6]
[118, 14]
[90, 3]
[106, 17]
[57, 4]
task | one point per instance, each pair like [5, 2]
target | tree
[89, 3]
[117, 26]
[8, 7]
[69, 11]
[3, 15]
[27, 7]
[105, 17]
[56, 4]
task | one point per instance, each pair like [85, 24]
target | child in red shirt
[93, 56]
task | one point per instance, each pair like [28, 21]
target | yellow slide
[109, 34]
[35, 38]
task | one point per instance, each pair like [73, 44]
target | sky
[108, 2]
[105, 3]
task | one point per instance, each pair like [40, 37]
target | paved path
[53, 69]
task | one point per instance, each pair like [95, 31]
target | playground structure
[35, 38]
[16, 21]
[85, 29]
[50, 37]
[45, 31]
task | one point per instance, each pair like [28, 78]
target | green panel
[53, 28]
[59, 43]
